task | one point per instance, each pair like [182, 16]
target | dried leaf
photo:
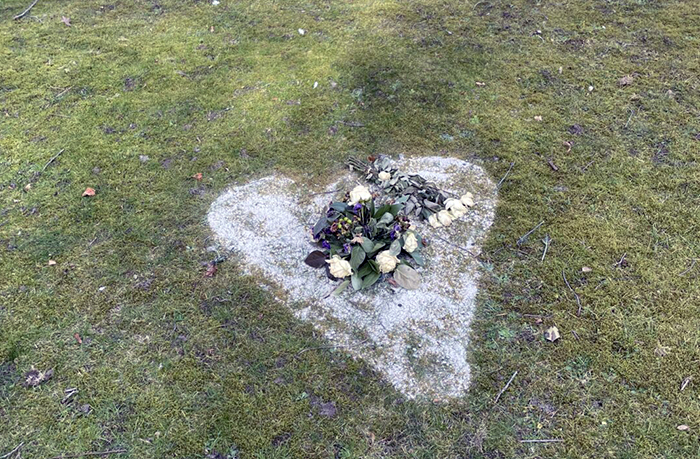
[316, 259]
[52, 262]
[407, 277]
[625, 80]
[682, 427]
[88, 192]
[78, 338]
[197, 176]
[552, 334]
[586, 269]
[211, 270]
[65, 20]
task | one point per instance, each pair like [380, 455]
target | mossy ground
[173, 364]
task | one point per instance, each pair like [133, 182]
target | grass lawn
[595, 103]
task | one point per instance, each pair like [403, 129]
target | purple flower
[325, 245]
[357, 207]
[346, 247]
[397, 228]
[392, 234]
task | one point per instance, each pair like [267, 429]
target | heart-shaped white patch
[417, 339]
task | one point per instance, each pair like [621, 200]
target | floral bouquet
[365, 242]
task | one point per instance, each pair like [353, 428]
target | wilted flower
[387, 262]
[444, 218]
[339, 268]
[359, 194]
[384, 176]
[468, 200]
[410, 243]
[455, 208]
[434, 222]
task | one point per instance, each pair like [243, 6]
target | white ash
[417, 339]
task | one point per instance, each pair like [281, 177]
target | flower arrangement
[362, 242]
[366, 237]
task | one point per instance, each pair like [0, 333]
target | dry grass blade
[578, 299]
[505, 387]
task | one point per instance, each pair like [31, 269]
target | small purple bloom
[397, 228]
[325, 245]
[357, 207]
[346, 247]
[392, 234]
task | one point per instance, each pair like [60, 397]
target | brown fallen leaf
[88, 192]
[211, 270]
[28, 187]
[538, 118]
[65, 20]
[197, 176]
[78, 338]
[52, 262]
[552, 334]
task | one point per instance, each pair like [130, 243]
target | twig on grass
[90, 453]
[578, 299]
[546, 241]
[621, 261]
[500, 182]
[13, 451]
[685, 383]
[546, 440]
[522, 239]
[691, 267]
[53, 158]
[505, 387]
[24, 13]
[456, 246]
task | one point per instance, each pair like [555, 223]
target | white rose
[468, 200]
[387, 262]
[434, 222]
[455, 208]
[444, 218]
[359, 194]
[410, 243]
[384, 176]
[339, 268]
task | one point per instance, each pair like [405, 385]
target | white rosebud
[384, 176]
[410, 243]
[444, 218]
[455, 208]
[387, 262]
[434, 222]
[359, 194]
[339, 268]
[468, 200]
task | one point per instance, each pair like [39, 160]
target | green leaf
[386, 219]
[381, 211]
[377, 246]
[357, 256]
[374, 265]
[367, 245]
[365, 269]
[416, 255]
[356, 282]
[320, 226]
[395, 209]
[395, 247]
[339, 206]
[343, 285]
[407, 277]
[370, 279]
